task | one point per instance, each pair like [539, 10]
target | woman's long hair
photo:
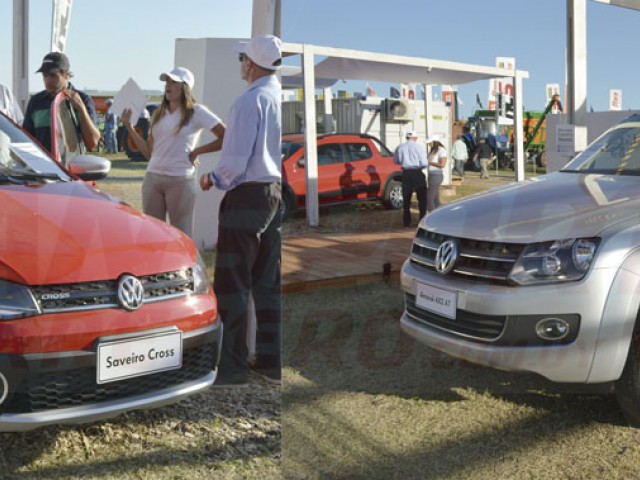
[438, 146]
[187, 103]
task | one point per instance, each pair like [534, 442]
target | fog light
[4, 388]
[552, 329]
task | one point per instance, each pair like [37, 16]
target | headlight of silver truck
[558, 261]
[16, 301]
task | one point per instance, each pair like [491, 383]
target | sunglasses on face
[241, 57]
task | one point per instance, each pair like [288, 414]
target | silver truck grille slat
[477, 259]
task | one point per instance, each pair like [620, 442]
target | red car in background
[351, 167]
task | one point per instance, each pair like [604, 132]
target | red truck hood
[68, 232]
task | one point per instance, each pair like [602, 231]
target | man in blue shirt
[56, 74]
[413, 158]
[248, 250]
[110, 125]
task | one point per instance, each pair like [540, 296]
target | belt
[253, 184]
[250, 184]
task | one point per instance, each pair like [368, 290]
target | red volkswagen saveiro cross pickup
[102, 309]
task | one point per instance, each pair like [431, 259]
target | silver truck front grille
[477, 260]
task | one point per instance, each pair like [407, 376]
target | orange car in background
[351, 168]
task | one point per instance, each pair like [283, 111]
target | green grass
[363, 400]
[124, 179]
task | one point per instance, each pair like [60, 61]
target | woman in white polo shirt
[169, 185]
[437, 160]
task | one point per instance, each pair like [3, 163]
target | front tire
[392, 198]
[627, 387]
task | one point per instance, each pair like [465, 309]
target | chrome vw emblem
[446, 256]
[130, 292]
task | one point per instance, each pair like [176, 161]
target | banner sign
[60, 27]
[615, 99]
[501, 85]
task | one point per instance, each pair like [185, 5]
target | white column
[518, 133]
[577, 61]
[266, 17]
[428, 108]
[21, 52]
[328, 110]
[310, 135]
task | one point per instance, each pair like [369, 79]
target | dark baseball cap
[54, 61]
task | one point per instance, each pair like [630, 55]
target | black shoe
[231, 379]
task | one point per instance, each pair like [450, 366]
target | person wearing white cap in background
[169, 186]
[412, 158]
[437, 159]
[248, 249]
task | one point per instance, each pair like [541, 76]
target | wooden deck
[343, 258]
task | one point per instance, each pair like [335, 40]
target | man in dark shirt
[485, 153]
[56, 73]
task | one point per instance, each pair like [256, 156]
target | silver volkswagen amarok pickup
[540, 276]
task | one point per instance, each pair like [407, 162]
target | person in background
[484, 153]
[412, 158]
[56, 74]
[556, 106]
[9, 105]
[460, 155]
[110, 125]
[169, 185]
[249, 239]
[437, 160]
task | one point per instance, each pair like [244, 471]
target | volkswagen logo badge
[446, 256]
[130, 292]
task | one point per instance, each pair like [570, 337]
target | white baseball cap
[263, 50]
[180, 74]
[432, 138]
[411, 134]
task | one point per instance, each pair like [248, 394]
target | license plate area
[119, 359]
[438, 300]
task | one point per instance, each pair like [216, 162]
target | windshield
[617, 152]
[21, 157]
[289, 148]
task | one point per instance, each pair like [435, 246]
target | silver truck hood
[554, 206]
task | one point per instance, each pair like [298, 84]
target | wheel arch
[620, 322]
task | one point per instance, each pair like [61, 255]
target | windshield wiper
[20, 177]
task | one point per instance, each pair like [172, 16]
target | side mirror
[89, 167]
[301, 162]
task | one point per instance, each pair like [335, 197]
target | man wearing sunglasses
[248, 249]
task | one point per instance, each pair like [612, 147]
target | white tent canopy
[419, 71]
[345, 64]
[359, 65]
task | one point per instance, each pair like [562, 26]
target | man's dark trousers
[413, 180]
[248, 263]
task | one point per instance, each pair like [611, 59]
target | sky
[109, 42]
